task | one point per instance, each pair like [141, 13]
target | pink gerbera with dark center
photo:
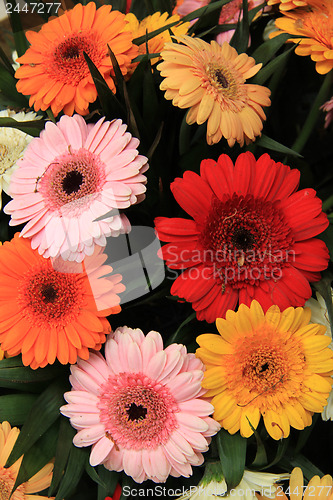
[71, 177]
[141, 407]
[252, 236]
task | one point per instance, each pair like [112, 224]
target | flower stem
[313, 115]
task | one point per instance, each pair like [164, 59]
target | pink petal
[100, 451]
[89, 436]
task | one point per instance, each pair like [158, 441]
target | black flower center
[263, 368]
[49, 293]
[221, 79]
[70, 51]
[135, 412]
[72, 182]
[243, 239]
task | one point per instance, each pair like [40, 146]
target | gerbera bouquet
[165, 249]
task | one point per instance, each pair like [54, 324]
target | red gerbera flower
[252, 236]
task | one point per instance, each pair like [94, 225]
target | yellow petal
[296, 484]
[249, 416]
[215, 343]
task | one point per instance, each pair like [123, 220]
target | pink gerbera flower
[70, 177]
[140, 407]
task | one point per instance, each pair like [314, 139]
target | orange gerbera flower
[210, 80]
[152, 23]
[54, 71]
[54, 309]
[314, 27]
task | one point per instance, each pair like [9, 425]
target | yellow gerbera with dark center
[210, 79]
[314, 27]
[276, 365]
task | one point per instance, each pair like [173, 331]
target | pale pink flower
[71, 183]
[328, 108]
[231, 13]
[189, 6]
[141, 407]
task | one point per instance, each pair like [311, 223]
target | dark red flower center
[72, 181]
[246, 239]
[49, 296]
[136, 412]
[221, 79]
[67, 62]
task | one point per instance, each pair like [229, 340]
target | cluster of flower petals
[71, 184]
[140, 408]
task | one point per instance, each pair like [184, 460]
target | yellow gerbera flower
[152, 23]
[8, 476]
[276, 365]
[318, 488]
[210, 80]
[314, 27]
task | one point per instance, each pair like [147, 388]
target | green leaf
[21, 43]
[161, 6]
[7, 63]
[78, 457]
[40, 454]
[14, 407]
[272, 67]
[42, 415]
[177, 336]
[184, 136]
[308, 468]
[8, 88]
[267, 50]
[149, 7]
[120, 82]
[109, 479]
[306, 433]
[267, 142]
[64, 447]
[111, 106]
[92, 473]
[232, 452]
[189, 17]
[33, 127]
[155, 142]
[281, 451]
[13, 374]
[260, 460]
[240, 39]
[119, 5]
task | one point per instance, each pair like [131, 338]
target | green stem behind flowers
[311, 120]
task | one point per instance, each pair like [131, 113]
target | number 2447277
[37, 8]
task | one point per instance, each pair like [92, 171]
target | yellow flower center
[266, 369]
[223, 81]
[263, 368]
